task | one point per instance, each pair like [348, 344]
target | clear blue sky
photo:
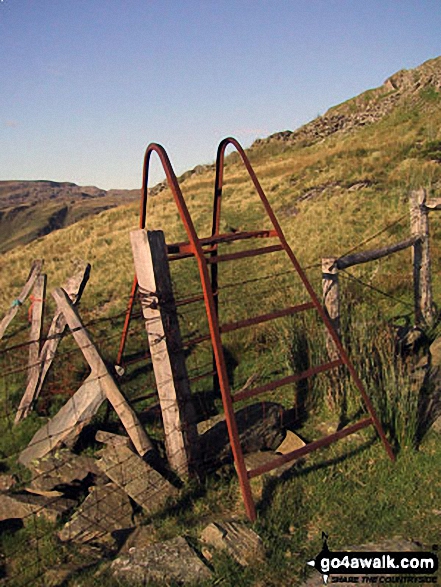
[85, 85]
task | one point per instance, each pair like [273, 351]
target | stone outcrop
[260, 427]
[403, 88]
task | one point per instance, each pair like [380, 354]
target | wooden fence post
[74, 287]
[331, 301]
[161, 321]
[36, 316]
[422, 282]
[33, 274]
[121, 406]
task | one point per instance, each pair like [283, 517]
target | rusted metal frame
[231, 326]
[341, 351]
[177, 256]
[128, 317]
[184, 247]
[210, 306]
[244, 254]
[308, 448]
[286, 380]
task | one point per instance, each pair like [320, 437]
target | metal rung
[244, 254]
[304, 450]
[232, 326]
[286, 380]
[265, 317]
[185, 246]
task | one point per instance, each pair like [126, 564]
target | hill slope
[31, 209]
[331, 185]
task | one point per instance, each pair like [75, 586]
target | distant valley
[32, 209]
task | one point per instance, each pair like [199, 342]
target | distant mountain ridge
[31, 209]
[406, 87]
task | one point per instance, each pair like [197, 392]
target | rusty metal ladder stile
[205, 250]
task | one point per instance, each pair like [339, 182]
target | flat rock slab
[239, 541]
[260, 427]
[60, 468]
[67, 424]
[167, 562]
[25, 505]
[132, 474]
[105, 510]
[393, 545]
[112, 439]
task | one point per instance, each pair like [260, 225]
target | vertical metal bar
[142, 218]
[127, 319]
[215, 230]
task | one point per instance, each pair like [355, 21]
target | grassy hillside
[329, 194]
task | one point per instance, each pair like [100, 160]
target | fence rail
[419, 242]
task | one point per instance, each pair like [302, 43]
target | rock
[290, 443]
[25, 505]
[262, 457]
[167, 562]
[136, 477]
[435, 353]
[7, 481]
[105, 510]
[141, 537]
[259, 425]
[111, 439]
[242, 543]
[60, 468]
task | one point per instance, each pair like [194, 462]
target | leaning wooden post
[33, 274]
[36, 312]
[331, 301]
[74, 287]
[99, 370]
[161, 321]
[422, 281]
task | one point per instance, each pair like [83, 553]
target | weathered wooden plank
[331, 301]
[69, 421]
[10, 314]
[161, 321]
[74, 288]
[36, 316]
[422, 275]
[127, 416]
[372, 255]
